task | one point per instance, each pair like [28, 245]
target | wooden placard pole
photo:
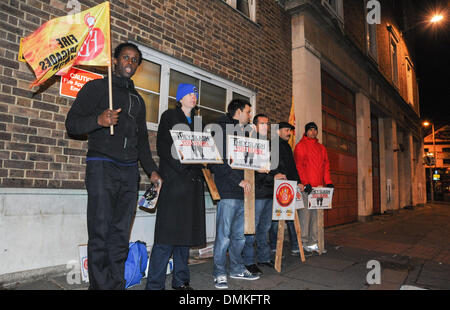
[298, 231]
[280, 241]
[211, 184]
[320, 235]
[111, 127]
[249, 204]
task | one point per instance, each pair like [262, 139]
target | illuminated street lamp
[436, 18]
[426, 124]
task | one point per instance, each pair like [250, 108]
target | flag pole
[111, 127]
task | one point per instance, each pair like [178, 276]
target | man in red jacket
[311, 160]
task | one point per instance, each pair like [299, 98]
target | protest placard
[74, 80]
[299, 198]
[82, 251]
[195, 147]
[248, 153]
[320, 198]
[284, 200]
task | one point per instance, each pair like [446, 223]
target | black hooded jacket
[227, 180]
[287, 162]
[130, 140]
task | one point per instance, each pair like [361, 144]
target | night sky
[433, 61]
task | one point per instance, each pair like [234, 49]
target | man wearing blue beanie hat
[186, 89]
[180, 219]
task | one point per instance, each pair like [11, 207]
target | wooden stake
[280, 240]
[299, 236]
[249, 204]
[211, 184]
[111, 128]
[320, 237]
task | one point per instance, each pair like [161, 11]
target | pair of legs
[292, 235]
[229, 237]
[263, 221]
[112, 195]
[156, 278]
[308, 223]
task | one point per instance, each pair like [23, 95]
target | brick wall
[34, 148]
[355, 23]
[390, 16]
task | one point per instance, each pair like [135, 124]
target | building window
[159, 75]
[147, 83]
[371, 38]
[394, 62]
[335, 7]
[446, 161]
[246, 7]
[393, 41]
[409, 81]
[446, 149]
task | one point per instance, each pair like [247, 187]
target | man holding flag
[112, 174]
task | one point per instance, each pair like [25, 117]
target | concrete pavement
[411, 249]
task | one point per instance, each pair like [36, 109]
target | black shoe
[270, 264]
[184, 287]
[254, 269]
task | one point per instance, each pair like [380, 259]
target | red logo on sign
[285, 194]
[94, 43]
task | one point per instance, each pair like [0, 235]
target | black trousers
[156, 278]
[112, 198]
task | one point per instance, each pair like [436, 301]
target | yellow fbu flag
[60, 43]
[292, 122]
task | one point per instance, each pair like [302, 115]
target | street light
[426, 124]
[436, 18]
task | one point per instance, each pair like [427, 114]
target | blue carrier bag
[136, 263]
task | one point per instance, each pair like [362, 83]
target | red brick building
[356, 81]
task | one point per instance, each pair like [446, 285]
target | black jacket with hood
[130, 140]
[227, 180]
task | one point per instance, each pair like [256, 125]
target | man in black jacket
[287, 167]
[112, 174]
[230, 209]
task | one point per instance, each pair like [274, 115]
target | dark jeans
[230, 237]
[112, 196]
[263, 221]
[273, 235]
[156, 278]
